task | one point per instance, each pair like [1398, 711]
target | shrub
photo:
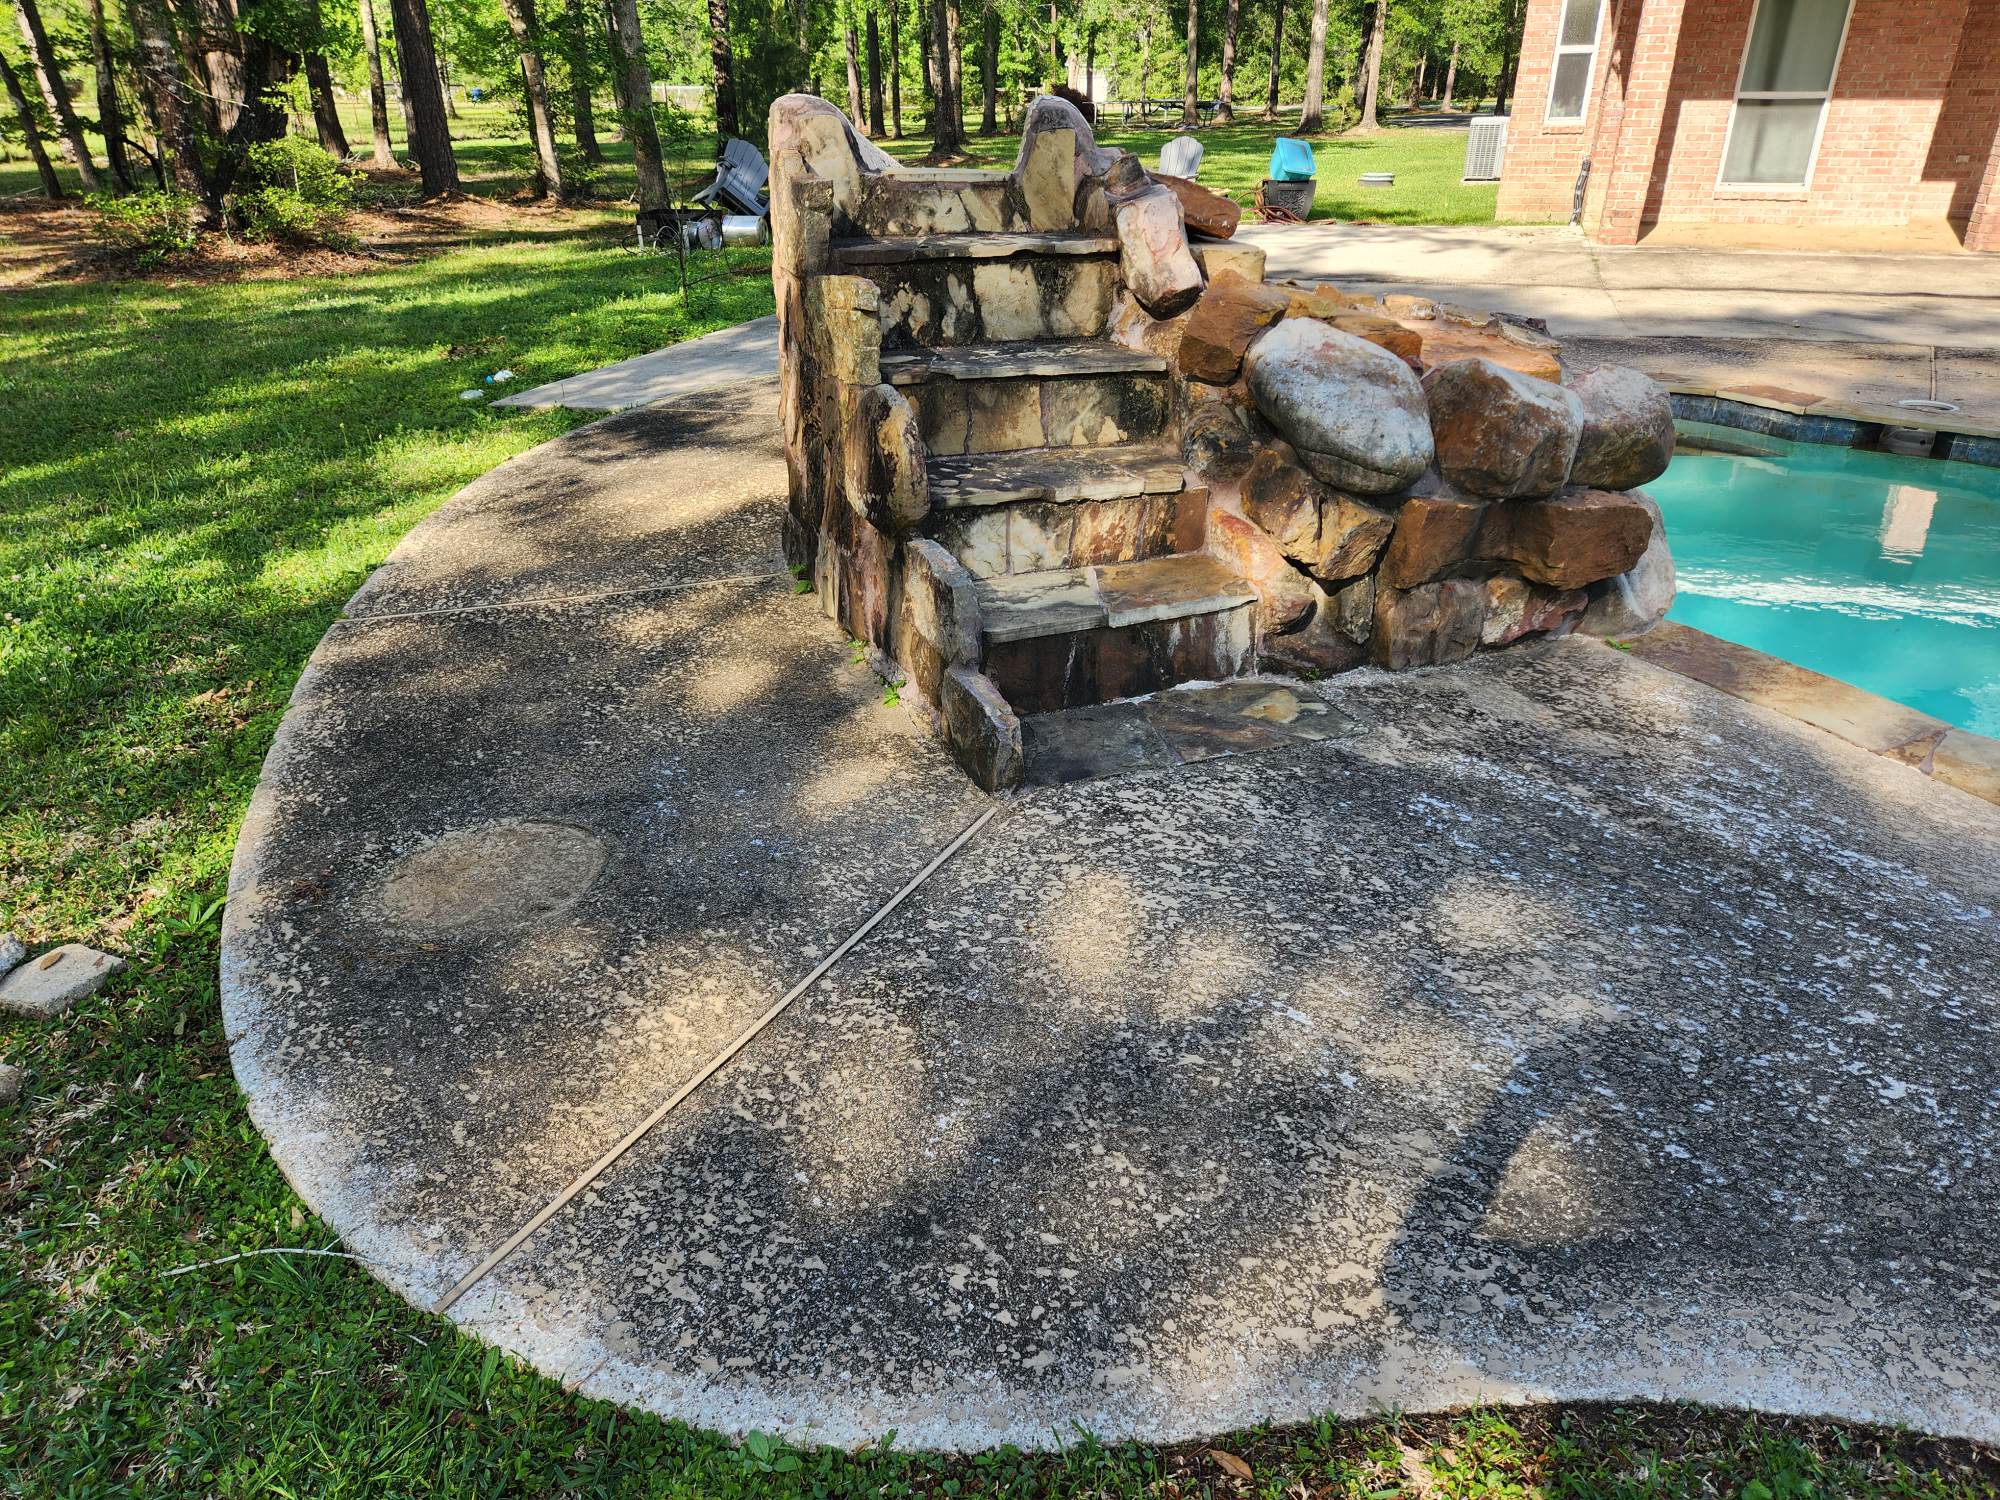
[148, 229]
[292, 190]
[580, 173]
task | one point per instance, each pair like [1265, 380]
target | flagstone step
[899, 250]
[1022, 605]
[1072, 637]
[1057, 475]
[1004, 359]
[1036, 393]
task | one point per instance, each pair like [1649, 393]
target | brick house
[1815, 114]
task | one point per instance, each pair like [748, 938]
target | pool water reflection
[1879, 570]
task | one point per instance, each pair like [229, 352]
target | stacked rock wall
[1405, 482]
[1397, 481]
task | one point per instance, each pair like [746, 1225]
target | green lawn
[193, 478]
[1427, 163]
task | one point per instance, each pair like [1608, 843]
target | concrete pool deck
[1572, 1030]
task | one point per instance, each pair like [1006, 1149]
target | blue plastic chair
[1291, 161]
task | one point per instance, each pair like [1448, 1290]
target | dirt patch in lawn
[41, 241]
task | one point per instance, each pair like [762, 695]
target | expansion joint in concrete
[716, 1064]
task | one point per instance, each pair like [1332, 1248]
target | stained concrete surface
[1574, 1030]
[1608, 291]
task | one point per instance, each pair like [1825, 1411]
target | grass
[193, 478]
[1427, 162]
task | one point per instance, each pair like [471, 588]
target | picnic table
[1144, 108]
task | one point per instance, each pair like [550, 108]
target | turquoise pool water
[1878, 570]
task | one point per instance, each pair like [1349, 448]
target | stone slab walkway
[1561, 1028]
[728, 356]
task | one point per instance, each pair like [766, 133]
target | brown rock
[1229, 315]
[1573, 539]
[1445, 343]
[1204, 210]
[1214, 258]
[1284, 500]
[1637, 599]
[1351, 536]
[1515, 607]
[1286, 598]
[1403, 305]
[1427, 626]
[1628, 429]
[1325, 301]
[1322, 648]
[1405, 343]
[887, 481]
[1434, 534]
[1500, 433]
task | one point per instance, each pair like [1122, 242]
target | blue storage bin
[1291, 161]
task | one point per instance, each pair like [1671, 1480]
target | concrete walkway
[1596, 291]
[748, 351]
[1571, 1031]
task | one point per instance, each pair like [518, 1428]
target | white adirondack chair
[741, 172]
[1181, 157]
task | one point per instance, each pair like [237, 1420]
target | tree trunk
[874, 76]
[326, 117]
[927, 55]
[378, 96]
[31, 135]
[1090, 64]
[1145, 60]
[722, 69]
[856, 111]
[48, 71]
[1277, 51]
[521, 21]
[582, 115]
[629, 60]
[217, 44]
[423, 98]
[1313, 116]
[1225, 96]
[1373, 73]
[896, 69]
[955, 86]
[989, 101]
[1450, 75]
[110, 118]
[1055, 46]
[1191, 101]
[944, 122]
[173, 105]
[1510, 40]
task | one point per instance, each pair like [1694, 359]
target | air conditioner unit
[1485, 148]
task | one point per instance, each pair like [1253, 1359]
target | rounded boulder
[1354, 411]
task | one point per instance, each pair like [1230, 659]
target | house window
[1781, 94]
[1576, 60]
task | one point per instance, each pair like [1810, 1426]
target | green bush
[149, 229]
[292, 191]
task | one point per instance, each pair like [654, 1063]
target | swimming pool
[1879, 570]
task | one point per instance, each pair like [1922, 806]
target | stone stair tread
[1056, 474]
[896, 250]
[1006, 358]
[1063, 601]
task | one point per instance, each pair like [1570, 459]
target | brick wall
[1909, 130]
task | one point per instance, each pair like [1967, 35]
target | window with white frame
[1576, 60]
[1781, 93]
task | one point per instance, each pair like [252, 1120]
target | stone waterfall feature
[1052, 446]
